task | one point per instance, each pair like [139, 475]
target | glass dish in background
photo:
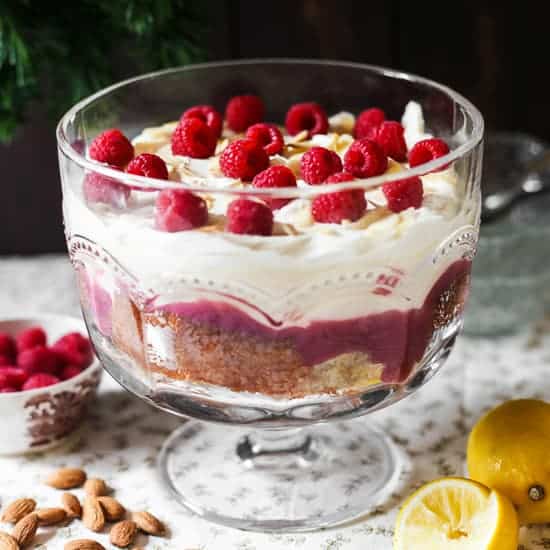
[511, 274]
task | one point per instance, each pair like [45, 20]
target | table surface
[124, 435]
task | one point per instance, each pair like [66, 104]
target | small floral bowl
[43, 418]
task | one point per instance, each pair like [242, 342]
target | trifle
[250, 252]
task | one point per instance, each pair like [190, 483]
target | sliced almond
[25, 530]
[92, 514]
[123, 533]
[83, 544]
[96, 487]
[66, 478]
[7, 542]
[112, 509]
[51, 516]
[71, 505]
[18, 509]
[148, 523]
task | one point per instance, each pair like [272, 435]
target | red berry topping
[403, 194]
[427, 150]
[193, 138]
[7, 346]
[275, 176]
[306, 116]
[6, 360]
[30, 338]
[208, 115]
[244, 110]
[179, 210]
[39, 359]
[367, 123]
[13, 376]
[102, 189]
[365, 159]
[148, 165]
[390, 137]
[243, 159]
[40, 380]
[70, 371]
[341, 205]
[74, 349]
[7, 389]
[112, 147]
[268, 136]
[248, 217]
[318, 164]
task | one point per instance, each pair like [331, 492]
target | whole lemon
[509, 451]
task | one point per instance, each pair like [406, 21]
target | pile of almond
[97, 509]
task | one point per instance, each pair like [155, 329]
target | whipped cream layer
[306, 271]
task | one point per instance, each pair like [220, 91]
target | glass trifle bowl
[285, 299]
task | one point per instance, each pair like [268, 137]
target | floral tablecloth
[124, 435]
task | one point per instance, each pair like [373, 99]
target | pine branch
[59, 56]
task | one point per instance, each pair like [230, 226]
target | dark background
[498, 60]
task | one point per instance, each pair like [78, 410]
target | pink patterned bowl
[40, 419]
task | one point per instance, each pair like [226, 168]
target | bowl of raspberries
[49, 375]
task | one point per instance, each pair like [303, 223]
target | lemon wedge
[456, 513]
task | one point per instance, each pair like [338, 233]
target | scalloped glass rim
[141, 181]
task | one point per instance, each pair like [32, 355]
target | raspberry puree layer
[395, 339]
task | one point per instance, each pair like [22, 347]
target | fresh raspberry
[148, 165]
[243, 159]
[243, 111]
[14, 376]
[39, 359]
[268, 136]
[7, 346]
[74, 349]
[318, 164]
[6, 360]
[30, 338]
[248, 217]
[341, 205]
[427, 150]
[208, 115]
[98, 188]
[365, 159]
[390, 136]
[340, 177]
[403, 194]
[70, 371]
[367, 123]
[193, 138]
[275, 176]
[112, 147]
[306, 116]
[179, 210]
[40, 380]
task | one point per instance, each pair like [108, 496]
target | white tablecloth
[124, 435]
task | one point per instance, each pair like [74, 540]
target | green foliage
[59, 52]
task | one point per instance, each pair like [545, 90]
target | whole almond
[71, 505]
[95, 487]
[148, 523]
[7, 542]
[18, 509]
[66, 478]
[25, 530]
[92, 514]
[123, 533]
[83, 544]
[113, 510]
[51, 516]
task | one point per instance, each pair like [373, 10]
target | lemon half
[456, 513]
